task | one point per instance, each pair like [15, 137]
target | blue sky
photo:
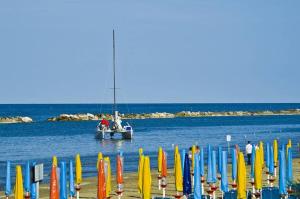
[56, 51]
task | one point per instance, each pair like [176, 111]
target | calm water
[40, 140]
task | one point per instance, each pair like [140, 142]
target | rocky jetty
[89, 116]
[17, 119]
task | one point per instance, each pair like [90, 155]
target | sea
[38, 141]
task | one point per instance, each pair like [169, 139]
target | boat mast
[114, 71]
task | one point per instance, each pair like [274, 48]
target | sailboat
[104, 127]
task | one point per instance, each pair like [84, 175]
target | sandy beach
[89, 185]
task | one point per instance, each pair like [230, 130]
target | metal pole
[37, 189]
[114, 70]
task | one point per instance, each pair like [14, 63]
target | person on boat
[105, 123]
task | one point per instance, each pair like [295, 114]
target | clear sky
[55, 51]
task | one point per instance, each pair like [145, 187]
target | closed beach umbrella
[159, 160]
[182, 160]
[197, 183]
[176, 150]
[54, 161]
[187, 184]
[282, 173]
[78, 170]
[178, 174]
[63, 181]
[147, 178]
[141, 151]
[54, 184]
[241, 177]
[262, 154]
[258, 170]
[275, 148]
[140, 173]
[268, 155]
[214, 166]
[202, 162]
[271, 164]
[101, 192]
[107, 171]
[100, 156]
[289, 145]
[290, 167]
[219, 159]
[252, 161]
[119, 170]
[27, 177]
[19, 190]
[209, 178]
[33, 187]
[224, 178]
[234, 164]
[164, 167]
[8, 179]
[193, 157]
[71, 180]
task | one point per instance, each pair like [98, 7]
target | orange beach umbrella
[164, 166]
[101, 191]
[119, 170]
[54, 184]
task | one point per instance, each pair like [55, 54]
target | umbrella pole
[77, 190]
[275, 170]
[159, 182]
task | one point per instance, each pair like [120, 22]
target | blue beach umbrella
[209, 178]
[219, 159]
[201, 162]
[8, 179]
[27, 177]
[234, 164]
[252, 161]
[63, 181]
[187, 185]
[71, 180]
[197, 184]
[271, 164]
[214, 165]
[290, 167]
[268, 155]
[224, 179]
[282, 173]
[182, 159]
[33, 187]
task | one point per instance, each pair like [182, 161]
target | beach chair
[232, 194]
[270, 193]
[203, 196]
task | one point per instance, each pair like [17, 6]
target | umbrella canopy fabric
[119, 170]
[234, 164]
[241, 177]
[8, 179]
[187, 184]
[275, 148]
[182, 160]
[33, 187]
[78, 169]
[224, 178]
[27, 177]
[178, 173]
[107, 171]
[63, 181]
[193, 157]
[100, 156]
[54, 193]
[252, 161]
[214, 166]
[197, 183]
[219, 159]
[271, 164]
[201, 162]
[159, 159]
[147, 178]
[71, 180]
[54, 161]
[282, 173]
[268, 155]
[176, 150]
[290, 167]
[141, 151]
[140, 173]
[19, 190]
[262, 155]
[164, 167]
[289, 145]
[101, 186]
[258, 170]
[209, 178]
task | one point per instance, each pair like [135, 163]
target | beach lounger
[270, 193]
[233, 195]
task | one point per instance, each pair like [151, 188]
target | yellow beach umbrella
[176, 150]
[107, 176]
[193, 157]
[19, 190]
[178, 173]
[54, 161]
[159, 160]
[289, 145]
[147, 179]
[275, 148]
[241, 177]
[140, 173]
[258, 170]
[141, 151]
[78, 169]
[262, 155]
[100, 156]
